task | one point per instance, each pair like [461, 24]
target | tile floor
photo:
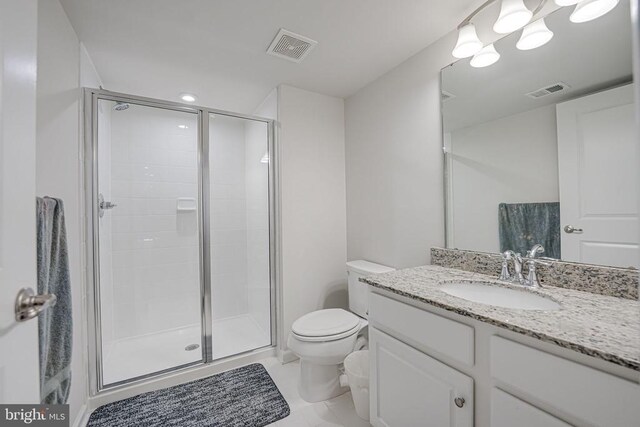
[337, 412]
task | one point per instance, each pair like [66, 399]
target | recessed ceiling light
[183, 126]
[187, 97]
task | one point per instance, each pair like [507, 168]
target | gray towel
[522, 225]
[54, 324]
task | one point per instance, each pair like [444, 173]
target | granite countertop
[596, 325]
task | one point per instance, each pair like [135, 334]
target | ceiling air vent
[291, 46]
[549, 90]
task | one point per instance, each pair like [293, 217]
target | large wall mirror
[542, 147]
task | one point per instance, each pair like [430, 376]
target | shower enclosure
[181, 226]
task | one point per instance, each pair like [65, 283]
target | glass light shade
[566, 2]
[468, 42]
[487, 56]
[588, 10]
[534, 35]
[513, 16]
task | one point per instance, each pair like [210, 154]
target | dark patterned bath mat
[243, 397]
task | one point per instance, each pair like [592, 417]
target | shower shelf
[186, 204]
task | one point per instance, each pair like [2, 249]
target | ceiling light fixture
[563, 3]
[487, 56]
[183, 126]
[588, 10]
[468, 42]
[534, 35]
[187, 97]
[513, 16]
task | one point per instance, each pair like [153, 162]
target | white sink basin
[497, 296]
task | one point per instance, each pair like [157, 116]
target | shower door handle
[29, 305]
[104, 205]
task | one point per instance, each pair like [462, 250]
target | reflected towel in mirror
[522, 225]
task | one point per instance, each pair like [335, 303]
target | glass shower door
[149, 240]
[241, 291]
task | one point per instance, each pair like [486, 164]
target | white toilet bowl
[322, 340]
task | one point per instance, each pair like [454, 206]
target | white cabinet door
[509, 411]
[411, 389]
[597, 158]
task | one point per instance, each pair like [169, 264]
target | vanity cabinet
[504, 383]
[509, 411]
[409, 388]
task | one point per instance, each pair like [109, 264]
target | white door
[19, 373]
[409, 388]
[597, 160]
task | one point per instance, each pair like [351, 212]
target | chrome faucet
[532, 277]
[535, 251]
[531, 260]
[504, 273]
[517, 267]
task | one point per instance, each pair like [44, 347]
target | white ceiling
[588, 57]
[216, 48]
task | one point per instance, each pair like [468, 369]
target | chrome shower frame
[91, 233]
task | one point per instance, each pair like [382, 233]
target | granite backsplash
[597, 279]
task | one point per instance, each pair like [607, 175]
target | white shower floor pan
[142, 355]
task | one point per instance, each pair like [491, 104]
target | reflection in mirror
[541, 146]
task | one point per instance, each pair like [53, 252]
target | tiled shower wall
[257, 217]
[149, 249]
[239, 219]
[154, 246]
[228, 218]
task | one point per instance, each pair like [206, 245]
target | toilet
[322, 339]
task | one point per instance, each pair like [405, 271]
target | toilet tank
[358, 291]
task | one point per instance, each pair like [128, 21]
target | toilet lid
[323, 323]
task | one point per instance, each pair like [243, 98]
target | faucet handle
[504, 272]
[507, 255]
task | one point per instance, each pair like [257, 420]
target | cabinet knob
[459, 401]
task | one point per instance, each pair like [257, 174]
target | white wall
[509, 160]
[57, 159]
[394, 159]
[313, 208]
[394, 162]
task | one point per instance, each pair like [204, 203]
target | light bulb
[513, 16]
[588, 10]
[487, 56]
[468, 42]
[534, 35]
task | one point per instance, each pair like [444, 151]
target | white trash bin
[356, 367]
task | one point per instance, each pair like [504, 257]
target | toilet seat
[326, 325]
